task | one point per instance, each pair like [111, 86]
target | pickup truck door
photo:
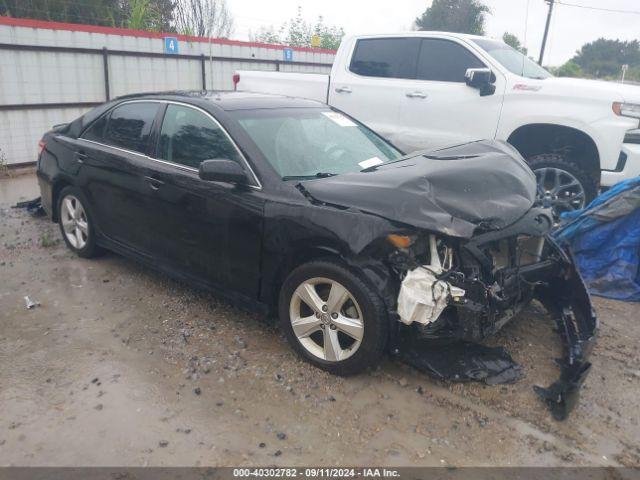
[371, 87]
[412, 91]
[440, 109]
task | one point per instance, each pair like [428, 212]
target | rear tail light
[41, 145]
[236, 80]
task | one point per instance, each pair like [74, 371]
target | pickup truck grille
[632, 136]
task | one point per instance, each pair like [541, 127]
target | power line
[602, 9]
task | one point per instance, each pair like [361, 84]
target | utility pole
[546, 30]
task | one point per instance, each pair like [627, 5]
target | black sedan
[289, 206]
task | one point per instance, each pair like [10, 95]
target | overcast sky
[571, 27]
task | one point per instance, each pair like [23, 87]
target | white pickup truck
[427, 90]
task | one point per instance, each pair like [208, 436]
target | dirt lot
[120, 365]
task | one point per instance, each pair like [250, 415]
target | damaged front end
[466, 250]
[455, 292]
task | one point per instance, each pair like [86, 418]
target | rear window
[386, 57]
[95, 132]
[129, 126]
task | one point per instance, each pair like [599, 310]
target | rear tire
[575, 189]
[337, 319]
[76, 223]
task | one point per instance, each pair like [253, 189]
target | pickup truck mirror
[222, 170]
[482, 79]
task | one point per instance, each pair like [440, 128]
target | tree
[330, 36]
[568, 69]
[266, 35]
[163, 15]
[90, 12]
[139, 14]
[514, 42]
[153, 15]
[604, 58]
[460, 16]
[203, 18]
[297, 32]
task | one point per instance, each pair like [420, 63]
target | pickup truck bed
[305, 85]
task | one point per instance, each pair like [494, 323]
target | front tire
[561, 184]
[76, 223]
[332, 318]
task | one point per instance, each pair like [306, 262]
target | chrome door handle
[416, 95]
[343, 90]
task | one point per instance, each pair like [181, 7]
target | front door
[210, 230]
[440, 109]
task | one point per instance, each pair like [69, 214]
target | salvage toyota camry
[290, 206]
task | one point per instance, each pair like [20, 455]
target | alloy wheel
[559, 189]
[74, 222]
[326, 319]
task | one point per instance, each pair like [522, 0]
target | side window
[189, 137]
[444, 61]
[130, 124]
[96, 131]
[386, 57]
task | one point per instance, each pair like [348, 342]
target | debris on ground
[463, 361]
[30, 303]
[34, 207]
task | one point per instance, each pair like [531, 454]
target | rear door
[440, 109]
[373, 84]
[113, 153]
[210, 230]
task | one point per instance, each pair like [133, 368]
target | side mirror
[482, 79]
[220, 170]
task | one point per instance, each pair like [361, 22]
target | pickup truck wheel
[332, 318]
[561, 184]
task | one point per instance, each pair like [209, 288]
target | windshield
[307, 143]
[513, 60]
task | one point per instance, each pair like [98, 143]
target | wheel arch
[372, 271]
[539, 138]
[293, 259]
[58, 185]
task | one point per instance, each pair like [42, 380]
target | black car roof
[231, 100]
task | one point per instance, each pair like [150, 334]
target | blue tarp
[605, 239]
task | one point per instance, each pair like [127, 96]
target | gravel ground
[120, 365]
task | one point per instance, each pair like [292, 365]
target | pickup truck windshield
[512, 60]
[309, 143]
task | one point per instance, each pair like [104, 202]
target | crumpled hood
[451, 191]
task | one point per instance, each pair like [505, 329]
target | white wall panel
[50, 77]
[21, 130]
[37, 77]
[138, 74]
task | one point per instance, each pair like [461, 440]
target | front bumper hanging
[560, 288]
[567, 298]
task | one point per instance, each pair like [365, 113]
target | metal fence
[51, 73]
